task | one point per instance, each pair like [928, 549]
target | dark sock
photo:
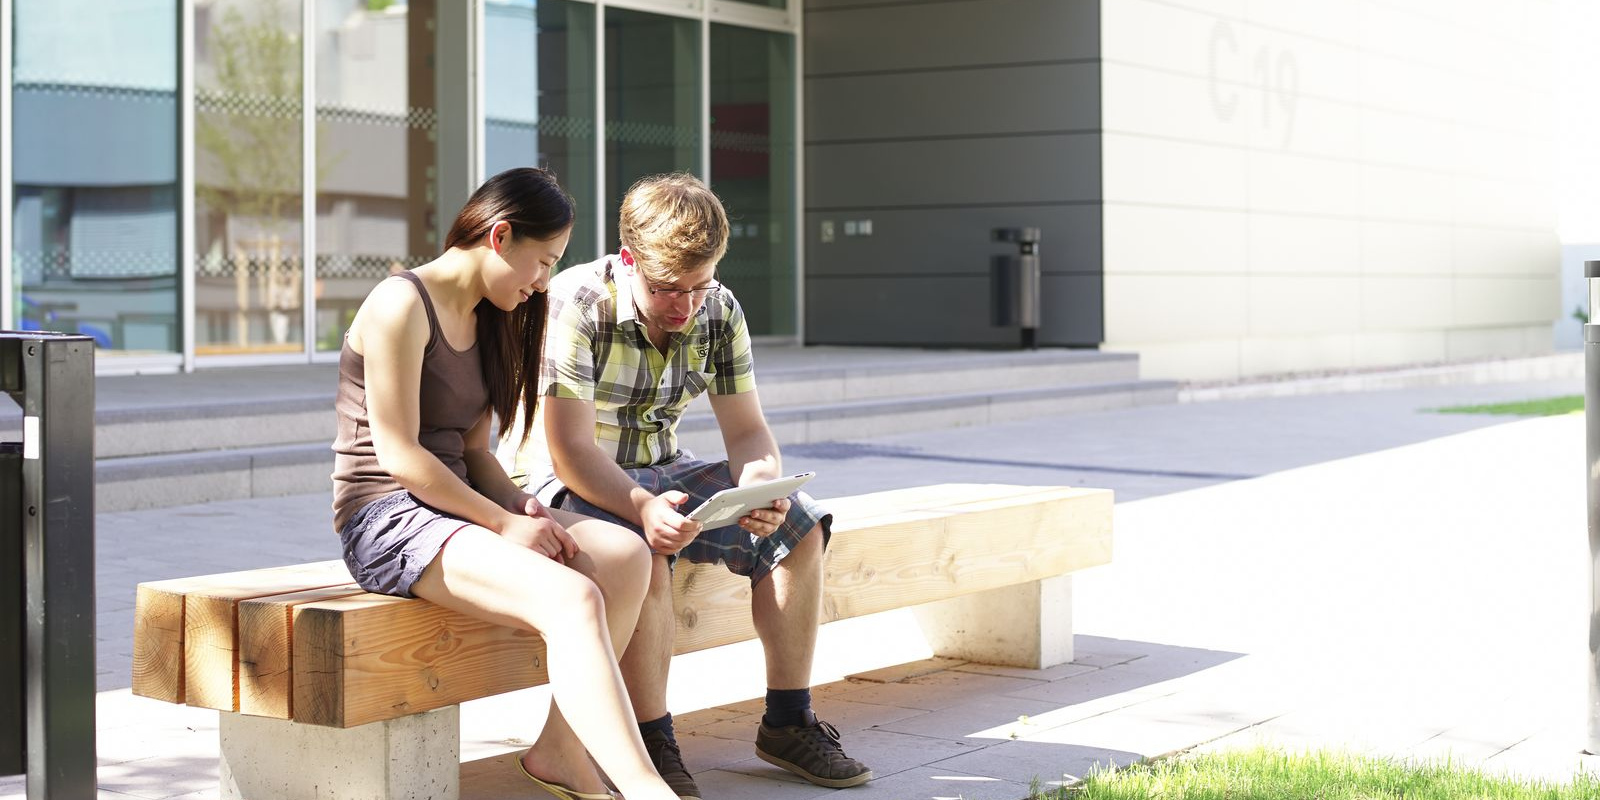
[786, 707]
[664, 725]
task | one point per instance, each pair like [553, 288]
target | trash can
[1014, 284]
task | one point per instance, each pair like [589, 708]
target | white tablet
[727, 506]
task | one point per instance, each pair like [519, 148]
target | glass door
[654, 122]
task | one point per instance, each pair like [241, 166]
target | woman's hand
[536, 530]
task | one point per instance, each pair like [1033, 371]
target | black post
[52, 377]
[13, 726]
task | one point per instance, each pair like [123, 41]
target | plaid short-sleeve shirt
[596, 349]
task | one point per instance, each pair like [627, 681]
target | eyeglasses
[697, 293]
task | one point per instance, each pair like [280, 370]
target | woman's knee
[573, 598]
[619, 552]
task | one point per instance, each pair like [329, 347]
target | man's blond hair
[672, 224]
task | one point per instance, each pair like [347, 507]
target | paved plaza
[1343, 570]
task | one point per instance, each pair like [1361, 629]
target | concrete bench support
[1026, 625]
[415, 756]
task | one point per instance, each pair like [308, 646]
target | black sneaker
[668, 761]
[811, 751]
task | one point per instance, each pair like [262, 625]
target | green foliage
[1263, 774]
[1547, 407]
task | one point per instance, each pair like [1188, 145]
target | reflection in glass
[539, 100]
[753, 170]
[652, 101]
[95, 152]
[377, 151]
[249, 281]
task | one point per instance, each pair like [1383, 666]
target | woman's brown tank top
[453, 398]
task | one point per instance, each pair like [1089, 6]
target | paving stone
[703, 751]
[915, 669]
[888, 752]
[936, 690]
[1055, 673]
[721, 783]
[936, 783]
[1119, 680]
[162, 776]
[975, 721]
[1026, 762]
[694, 720]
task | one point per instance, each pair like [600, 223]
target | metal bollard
[1591, 421]
[51, 376]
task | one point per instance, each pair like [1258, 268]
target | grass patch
[1548, 407]
[1272, 775]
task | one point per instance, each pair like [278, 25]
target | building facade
[1227, 187]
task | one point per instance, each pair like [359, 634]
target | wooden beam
[210, 624]
[372, 657]
[266, 649]
[368, 658]
[158, 640]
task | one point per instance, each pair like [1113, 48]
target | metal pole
[13, 731]
[52, 377]
[1591, 416]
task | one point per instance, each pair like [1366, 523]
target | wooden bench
[324, 690]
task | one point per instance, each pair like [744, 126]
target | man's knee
[809, 548]
[660, 578]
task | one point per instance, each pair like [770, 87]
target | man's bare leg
[786, 608]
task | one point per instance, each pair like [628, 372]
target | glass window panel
[249, 277]
[94, 160]
[377, 151]
[652, 101]
[539, 96]
[753, 170]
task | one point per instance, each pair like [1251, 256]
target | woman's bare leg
[487, 577]
[609, 555]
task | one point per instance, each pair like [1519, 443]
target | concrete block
[417, 756]
[1027, 625]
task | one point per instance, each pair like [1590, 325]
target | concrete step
[206, 418]
[154, 481]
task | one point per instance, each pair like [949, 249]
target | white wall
[1296, 185]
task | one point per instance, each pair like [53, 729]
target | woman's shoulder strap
[427, 304]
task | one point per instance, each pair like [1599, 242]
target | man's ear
[626, 255]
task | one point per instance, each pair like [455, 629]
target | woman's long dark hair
[512, 343]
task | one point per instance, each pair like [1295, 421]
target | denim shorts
[389, 541]
[742, 552]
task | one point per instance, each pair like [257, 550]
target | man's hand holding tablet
[728, 506]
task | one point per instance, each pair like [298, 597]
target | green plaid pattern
[595, 349]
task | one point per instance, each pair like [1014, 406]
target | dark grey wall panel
[1025, 99]
[940, 35]
[1008, 170]
[941, 311]
[937, 121]
[930, 311]
[951, 241]
[1072, 310]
